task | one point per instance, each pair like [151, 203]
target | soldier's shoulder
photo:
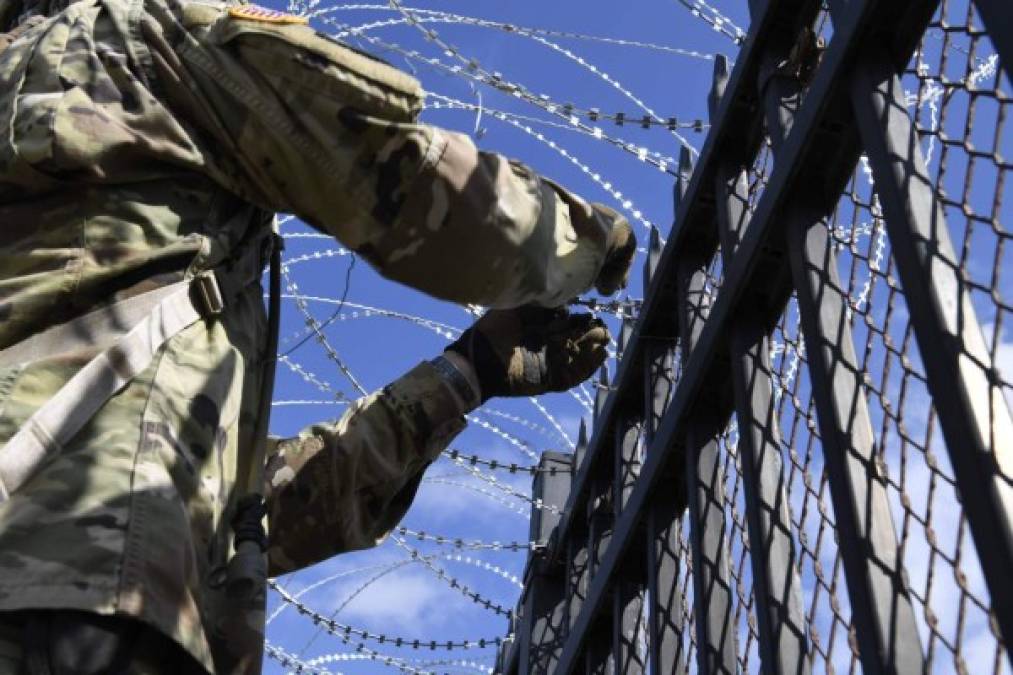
[197, 13]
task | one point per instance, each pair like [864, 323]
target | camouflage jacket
[146, 140]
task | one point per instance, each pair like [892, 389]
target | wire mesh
[714, 276]
[960, 100]
[944, 579]
[759, 173]
[818, 559]
[823, 27]
[740, 570]
[687, 595]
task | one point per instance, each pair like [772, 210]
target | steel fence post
[628, 596]
[576, 547]
[715, 625]
[777, 589]
[600, 658]
[960, 371]
[665, 610]
[884, 619]
[544, 603]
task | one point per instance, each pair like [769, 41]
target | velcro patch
[265, 15]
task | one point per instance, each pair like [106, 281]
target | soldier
[145, 146]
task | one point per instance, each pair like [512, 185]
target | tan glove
[532, 350]
[619, 252]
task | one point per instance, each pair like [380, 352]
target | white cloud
[443, 500]
[410, 601]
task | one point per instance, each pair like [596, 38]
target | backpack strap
[132, 332]
[63, 415]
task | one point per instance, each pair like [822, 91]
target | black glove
[532, 350]
[619, 252]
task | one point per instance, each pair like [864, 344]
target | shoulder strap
[134, 330]
[62, 416]
[97, 329]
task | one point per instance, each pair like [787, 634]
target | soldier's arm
[309, 126]
[342, 486]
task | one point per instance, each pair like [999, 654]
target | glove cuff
[460, 386]
[489, 368]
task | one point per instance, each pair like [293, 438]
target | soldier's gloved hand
[532, 350]
[619, 253]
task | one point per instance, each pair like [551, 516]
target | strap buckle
[208, 294]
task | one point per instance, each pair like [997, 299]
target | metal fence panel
[808, 467]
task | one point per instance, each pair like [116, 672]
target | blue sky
[412, 600]
[385, 328]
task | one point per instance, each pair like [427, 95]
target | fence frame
[818, 129]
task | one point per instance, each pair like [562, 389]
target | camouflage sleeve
[342, 486]
[330, 134]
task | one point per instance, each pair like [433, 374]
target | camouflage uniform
[145, 141]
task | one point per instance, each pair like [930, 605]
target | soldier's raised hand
[532, 350]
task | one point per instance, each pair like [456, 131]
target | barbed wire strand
[506, 489]
[346, 631]
[326, 580]
[715, 19]
[467, 544]
[514, 28]
[566, 111]
[494, 496]
[593, 113]
[454, 583]
[421, 663]
[476, 72]
[317, 329]
[522, 421]
[362, 311]
[496, 80]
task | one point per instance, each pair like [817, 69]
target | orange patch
[265, 15]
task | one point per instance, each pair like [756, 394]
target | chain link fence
[805, 461]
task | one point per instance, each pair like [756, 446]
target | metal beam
[628, 598]
[817, 146]
[576, 579]
[716, 647]
[656, 318]
[961, 375]
[627, 459]
[665, 610]
[628, 626]
[600, 656]
[777, 588]
[544, 603]
[664, 539]
[883, 617]
[599, 659]
[551, 484]
[544, 609]
[713, 595]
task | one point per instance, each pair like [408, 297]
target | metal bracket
[208, 294]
